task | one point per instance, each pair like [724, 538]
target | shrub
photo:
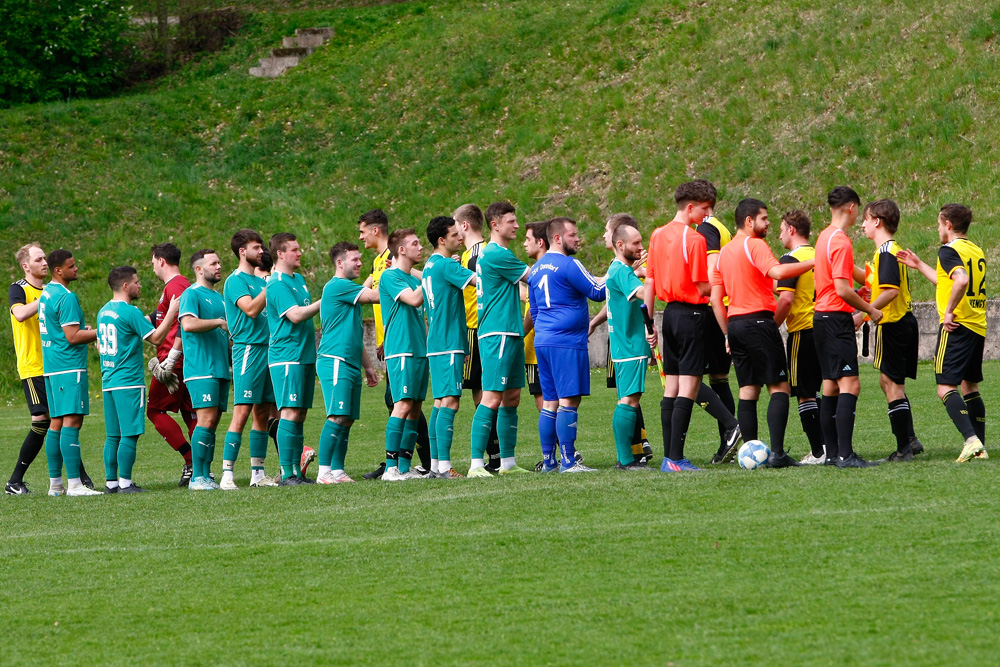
[60, 49]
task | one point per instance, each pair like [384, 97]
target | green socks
[202, 451]
[623, 426]
[126, 455]
[69, 445]
[231, 449]
[507, 431]
[407, 444]
[432, 433]
[286, 447]
[393, 437]
[328, 440]
[340, 448]
[482, 424]
[52, 454]
[445, 433]
[111, 457]
[258, 449]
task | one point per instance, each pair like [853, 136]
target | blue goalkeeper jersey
[559, 288]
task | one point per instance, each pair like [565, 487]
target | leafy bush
[60, 49]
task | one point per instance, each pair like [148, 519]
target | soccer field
[896, 564]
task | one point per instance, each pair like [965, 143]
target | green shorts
[446, 374]
[209, 393]
[407, 378]
[341, 385]
[125, 411]
[251, 381]
[67, 393]
[503, 362]
[294, 385]
[630, 376]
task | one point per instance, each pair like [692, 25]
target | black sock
[272, 431]
[666, 414]
[33, 443]
[713, 405]
[639, 433]
[828, 424]
[777, 421]
[423, 446]
[747, 412]
[680, 420]
[911, 435]
[493, 448]
[977, 413]
[847, 405]
[725, 394]
[959, 413]
[899, 415]
[809, 416]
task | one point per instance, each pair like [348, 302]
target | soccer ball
[753, 454]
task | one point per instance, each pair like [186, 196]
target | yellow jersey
[381, 262]
[800, 316]
[888, 273]
[716, 237]
[27, 339]
[469, 259]
[971, 309]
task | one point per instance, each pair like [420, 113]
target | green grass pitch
[891, 565]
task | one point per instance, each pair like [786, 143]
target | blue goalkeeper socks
[566, 419]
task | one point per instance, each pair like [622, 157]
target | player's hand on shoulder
[908, 257]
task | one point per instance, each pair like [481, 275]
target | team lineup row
[459, 323]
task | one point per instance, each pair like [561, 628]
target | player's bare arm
[298, 314]
[960, 281]
[255, 306]
[910, 259]
[598, 319]
[846, 292]
[783, 306]
[24, 311]
[77, 336]
[369, 296]
[192, 324]
[159, 334]
[785, 271]
[412, 297]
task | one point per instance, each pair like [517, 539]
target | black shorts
[755, 343]
[896, 346]
[959, 356]
[612, 383]
[803, 364]
[834, 335]
[683, 338]
[34, 393]
[472, 371]
[717, 360]
[531, 374]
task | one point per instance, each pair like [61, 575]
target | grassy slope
[820, 566]
[579, 107]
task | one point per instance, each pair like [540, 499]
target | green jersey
[243, 329]
[405, 333]
[340, 314]
[206, 354]
[498, 298]
[121, 328]
[57, 308]
[444, 280]
[290, 343]
[626, 326]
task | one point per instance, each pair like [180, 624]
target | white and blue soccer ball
[753, 454]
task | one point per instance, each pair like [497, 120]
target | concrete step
[295, 51]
